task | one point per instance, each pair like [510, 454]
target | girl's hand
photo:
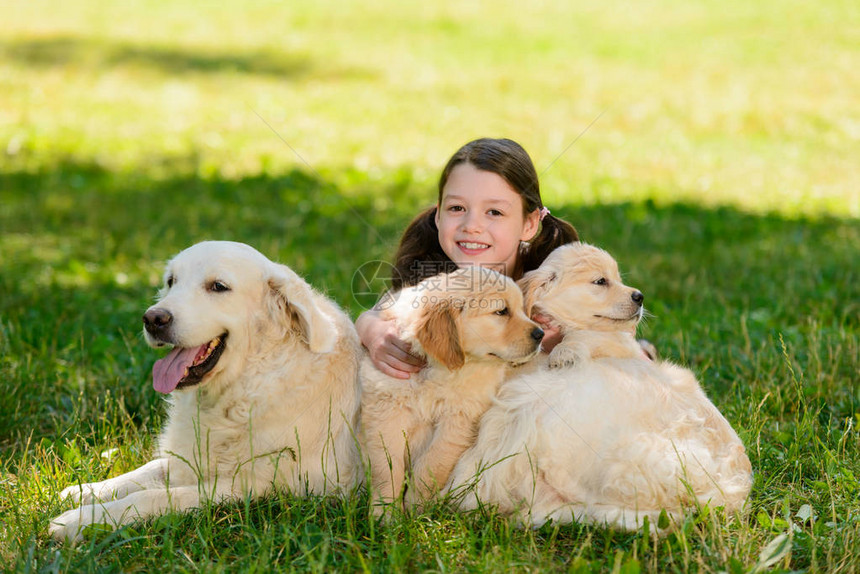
[389, 353]
[552, 334]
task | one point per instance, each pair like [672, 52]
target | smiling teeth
[468, 245]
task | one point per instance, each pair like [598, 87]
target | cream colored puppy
[600, 434]
[471, 326]
[263, 391]
[579, 290]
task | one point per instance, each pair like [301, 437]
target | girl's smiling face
[480, 219]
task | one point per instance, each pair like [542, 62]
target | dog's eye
[218, 287]
[601, 281]
[503, 312]
[170, 281]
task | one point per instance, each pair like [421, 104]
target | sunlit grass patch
[720, 169]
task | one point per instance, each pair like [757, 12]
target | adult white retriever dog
[599, 433]
[262, 391]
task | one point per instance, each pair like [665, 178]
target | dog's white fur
[277, 410]
[600, 434]
[471, 326]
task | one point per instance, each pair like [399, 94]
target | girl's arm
[388, 352]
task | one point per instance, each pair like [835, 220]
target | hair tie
[544, 211]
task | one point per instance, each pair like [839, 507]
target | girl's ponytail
[554, 232]
[419, 254]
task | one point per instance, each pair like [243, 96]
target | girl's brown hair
[420, 256]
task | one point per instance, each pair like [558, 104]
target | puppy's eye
[218, 287]
[503, 312]
[601, 281]
[170, 281]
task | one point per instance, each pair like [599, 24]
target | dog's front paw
[80, 493]
[563, 356]
[68, 526]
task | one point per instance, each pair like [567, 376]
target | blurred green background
[712, 147]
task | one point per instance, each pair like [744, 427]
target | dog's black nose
[157, 319]
[637, 297]
[537, 334]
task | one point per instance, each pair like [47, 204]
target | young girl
[489, 213]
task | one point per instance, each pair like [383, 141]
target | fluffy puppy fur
[600, 434]
[263, 391]
[471, 327]
[579, 289]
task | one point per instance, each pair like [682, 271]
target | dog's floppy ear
[439, 335]
[535, 284]
[291, 296]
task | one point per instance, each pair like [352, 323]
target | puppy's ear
[439, 335]
[534, 285]
[291, 298]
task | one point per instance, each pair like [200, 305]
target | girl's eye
[502, 312]
[601, 281]
[495, 212]
[455, 208]
[218, 287]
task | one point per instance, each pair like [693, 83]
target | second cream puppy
[471, 327]
[600, 434]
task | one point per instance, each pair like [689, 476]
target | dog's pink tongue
[167, 372]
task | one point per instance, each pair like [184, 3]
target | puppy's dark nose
[537, 334]
[157, 319]
[637, 297]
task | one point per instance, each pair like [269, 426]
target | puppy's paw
[416, 502]
[378, 509]
[563, 356]
[386, 512]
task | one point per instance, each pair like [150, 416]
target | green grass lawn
[722, 172]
